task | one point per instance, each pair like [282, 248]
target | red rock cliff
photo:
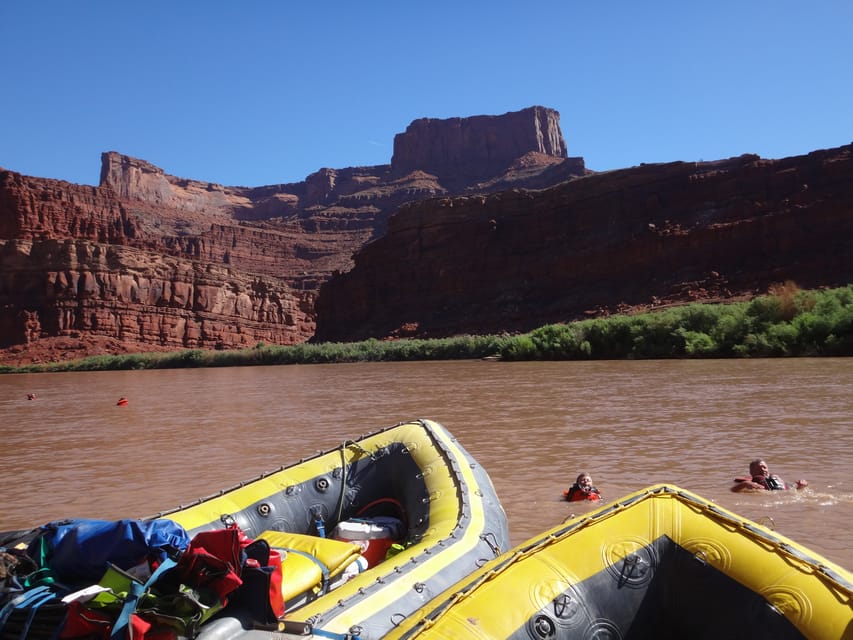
[150, 260]
[479, 146]
[73, 287]
[636, 237]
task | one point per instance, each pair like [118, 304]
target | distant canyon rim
[482, 224]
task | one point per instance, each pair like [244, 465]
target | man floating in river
[582, 489]
[762, 480]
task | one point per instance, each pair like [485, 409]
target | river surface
[184, 434]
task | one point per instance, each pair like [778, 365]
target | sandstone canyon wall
[473, 149]
[638, 237]
[151, 260]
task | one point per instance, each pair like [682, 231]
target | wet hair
[581, 475]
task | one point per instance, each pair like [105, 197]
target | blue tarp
[79, 551]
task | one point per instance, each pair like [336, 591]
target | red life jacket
[576, 493]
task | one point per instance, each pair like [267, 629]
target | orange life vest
[576, 494]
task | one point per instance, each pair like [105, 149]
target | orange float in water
[121, 401]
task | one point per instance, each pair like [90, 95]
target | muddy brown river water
[185, 434]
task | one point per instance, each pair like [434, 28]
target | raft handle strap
[319, 523]
[358, 447]
[491, 539]
[336, 636]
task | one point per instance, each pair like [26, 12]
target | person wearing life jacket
[582, 489]
[762, 480]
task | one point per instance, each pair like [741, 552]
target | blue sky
[254, 93]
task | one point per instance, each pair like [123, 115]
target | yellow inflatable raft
[418, 471]
[368, 533]
[660, 563]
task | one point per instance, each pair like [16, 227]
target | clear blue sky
[262, 92]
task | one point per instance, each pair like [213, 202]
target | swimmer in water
[582, 489]
[762, 480]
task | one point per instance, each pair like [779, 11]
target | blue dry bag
[79, 551]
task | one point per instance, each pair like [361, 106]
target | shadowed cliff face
[150, 261]
[640, 237]
[463, 151]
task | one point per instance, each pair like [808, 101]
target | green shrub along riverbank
[786, 322]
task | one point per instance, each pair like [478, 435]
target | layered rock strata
[636, 237]
[153, 260]
[74, 287]
[472, 149]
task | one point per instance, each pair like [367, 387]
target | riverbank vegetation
[786, 322]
